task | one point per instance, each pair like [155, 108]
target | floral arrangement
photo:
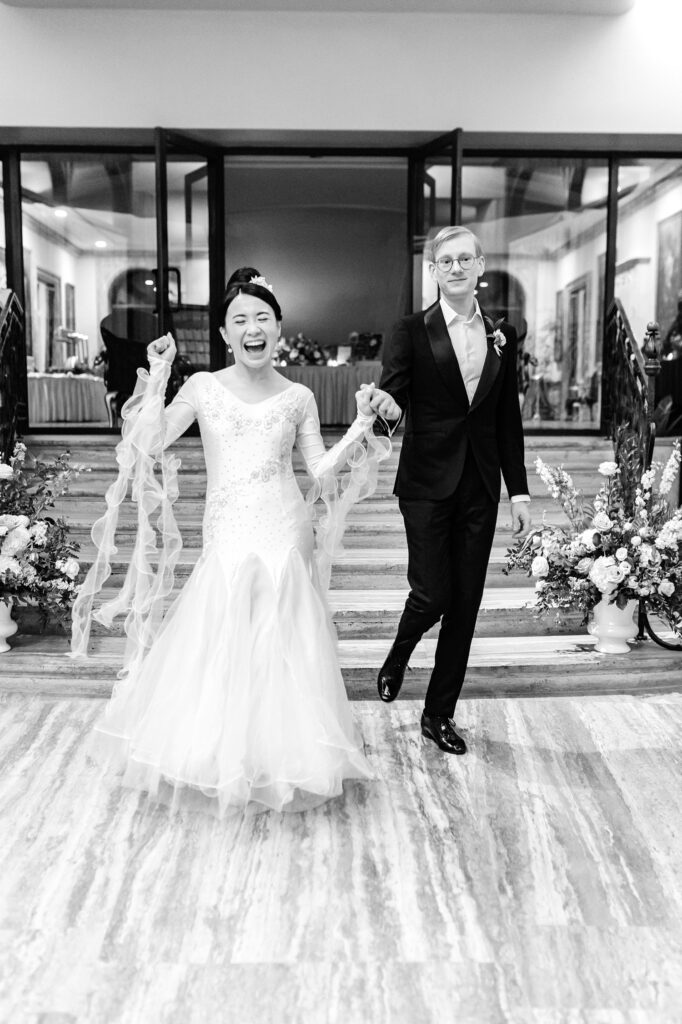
[38, 566]
[299, 351]
[625, 546]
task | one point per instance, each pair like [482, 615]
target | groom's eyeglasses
[465, 260]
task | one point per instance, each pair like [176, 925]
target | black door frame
[450, 142]
[172, 143]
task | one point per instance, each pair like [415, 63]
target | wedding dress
[236, 695]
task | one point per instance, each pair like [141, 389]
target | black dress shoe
[442, 731]
[392, 671]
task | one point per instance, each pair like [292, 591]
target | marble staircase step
[359, 562]
[90, 488]
[373, 613]
[499, 666]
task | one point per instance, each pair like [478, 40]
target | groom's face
[457, 282]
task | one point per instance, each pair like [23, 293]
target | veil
[145, 587]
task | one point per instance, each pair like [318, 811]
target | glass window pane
[188, 260]
[434, 193]
[542, 224]
[89, 226]
[649, 268]
[329, 234]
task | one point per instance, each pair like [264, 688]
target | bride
[236, 695]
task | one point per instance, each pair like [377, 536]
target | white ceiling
[600, 7]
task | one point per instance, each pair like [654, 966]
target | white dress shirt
[470, 345]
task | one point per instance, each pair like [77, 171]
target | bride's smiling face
[251, 330]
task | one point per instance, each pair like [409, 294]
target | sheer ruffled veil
[340, 494]
[145, 587]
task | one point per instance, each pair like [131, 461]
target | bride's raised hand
[162, 348]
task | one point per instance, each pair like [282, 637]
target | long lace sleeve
[147, 430]
[359, 453]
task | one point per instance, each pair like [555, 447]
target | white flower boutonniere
[496, 335]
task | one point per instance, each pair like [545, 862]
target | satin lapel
[491, 368]
[443, 352]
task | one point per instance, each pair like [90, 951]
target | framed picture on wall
[669, 274]
[70, 307]
[558, 353]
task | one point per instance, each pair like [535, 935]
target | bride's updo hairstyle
[242, 283]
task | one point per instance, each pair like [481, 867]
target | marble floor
[536, 880]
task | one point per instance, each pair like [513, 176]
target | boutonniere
[495, 335]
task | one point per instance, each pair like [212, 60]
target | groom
[452, 372]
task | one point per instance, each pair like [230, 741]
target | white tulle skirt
[240, 703]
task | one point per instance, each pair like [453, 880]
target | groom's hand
[521, 519]
[383, 405]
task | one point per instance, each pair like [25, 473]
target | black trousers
[449, 543]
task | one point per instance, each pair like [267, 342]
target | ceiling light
[100, 244]
[61, 213]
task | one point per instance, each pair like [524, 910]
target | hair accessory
[263, 283]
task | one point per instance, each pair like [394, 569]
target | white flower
[16, 541]
[670, 471]
[621, 554]
[9, 565]
[70, 568]
[539, 566]
[11, 521]
[602, 522]
[39, 532]
[607, 468]
[666, 588]
[6, 472]
[648, 555]
[636, 541]
[586, 538]
[19, 452]
[648, 479]
[605, 574]
[624, 569]
[584, 565]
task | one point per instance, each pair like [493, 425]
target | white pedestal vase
[7, 624]
[613, 626]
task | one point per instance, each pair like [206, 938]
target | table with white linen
[334, 387]
[66, 398]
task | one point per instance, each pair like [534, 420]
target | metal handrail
[629, 382]
[629, 404]
[11, 350]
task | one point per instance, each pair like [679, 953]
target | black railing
[12, 399]
[629, 384]
[630, 414]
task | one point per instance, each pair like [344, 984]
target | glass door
[435, 175]
[189, 278]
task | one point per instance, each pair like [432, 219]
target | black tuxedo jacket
[422, 374]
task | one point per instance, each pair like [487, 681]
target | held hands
[521, 519]
[363, 399]
[371, 399]
[163, 348]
